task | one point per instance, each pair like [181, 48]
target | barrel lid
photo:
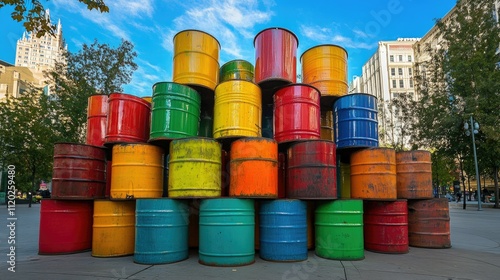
[255, 38]
[119, 95]
[237, 60]
[196, 30]
[237, 81]
[355, 93]
[324, 45]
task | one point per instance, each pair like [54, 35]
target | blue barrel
[356, 124]
[161, 231]
[283, 230]
[227, 228]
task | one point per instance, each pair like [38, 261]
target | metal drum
[175, 112]
[429, 223]
[148, 98]
[339, 230]
[137, 171]
[297, 113]
[97, 114]
[254, 168]
[65, 226]
[373, 174]
[129, 118]
[275, 57]
[238, 110]
[311, 170]
[194, 168]
[227, 232]
[283, 230]
[161, 231]
[196, 59]
[325, 67]
[386, 226]
[414, 174]
[356, 124]
[237, 69]
[327, 125]
[113, 231]
[344, 180]
[79, 171]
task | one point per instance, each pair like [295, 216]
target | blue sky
[150, 25]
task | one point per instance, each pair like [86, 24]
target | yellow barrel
[113, 231]
[238, 109]
[194, 168]
[196, 59]
[325, 68]
[327, 125]
[345, 180]
[148, 98]
[136, 171]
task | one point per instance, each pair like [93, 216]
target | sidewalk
[475, 254]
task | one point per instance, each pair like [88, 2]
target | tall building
[387, 74]
[40, 54]
[14, 80]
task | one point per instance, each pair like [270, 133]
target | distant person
[459, 196]
[484, 194]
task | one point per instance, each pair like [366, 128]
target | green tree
[462, 80]
[34, 15]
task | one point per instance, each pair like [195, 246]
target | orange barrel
[237, 110]
[196, 59]
[344, 180]
[129, 118]
[137, 171]
[311, 170]
[237, 69]
[327, 125]
[373, 174]
[113, 232]
[97, 113]
[79, 171]
[275, 57]
[429, 223]
[297, 113]
[414, 174]
[281, 175]
[194, 168]
[254, 168]
[386, 226]
[148, 98]
[194, 223]
[325, 67]
[65, 226]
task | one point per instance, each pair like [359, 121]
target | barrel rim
[79, 144]
[276, 27]
[246, 139]
[196, 30]
[355, 93]
[276, 89]
[235, 60]
[324, 45]
[234, 81]
[99, 94]
[171, 82]
[122, 144]
[195, 138]
[372, 149]
[411, 151]
[129, 96]
[312, 140]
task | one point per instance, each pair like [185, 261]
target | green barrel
[175, 111]
[339, 230]
[237, 69]
[227, 232]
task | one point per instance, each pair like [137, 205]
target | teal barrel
[175, 111]
[283, 230]
[237, 69]
[339, 230]
[227, 228]
[161, 231]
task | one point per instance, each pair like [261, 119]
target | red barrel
[107, 192]
[297, 114]
[429, 223]
[128, 119]
[275, 57]
[311, 170]
[386, 226]
[65, 226]
[97, 113]
[79, 171]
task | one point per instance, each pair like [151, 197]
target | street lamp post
[475, 129]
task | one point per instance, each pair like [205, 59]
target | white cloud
[325, 35]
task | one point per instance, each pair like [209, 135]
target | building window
[391, 58]
[401, 84]
[393, 71]
[409, 58]
[410, 71]
[400, 58]
[411, 83]
[393, 83]
[400, 71]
